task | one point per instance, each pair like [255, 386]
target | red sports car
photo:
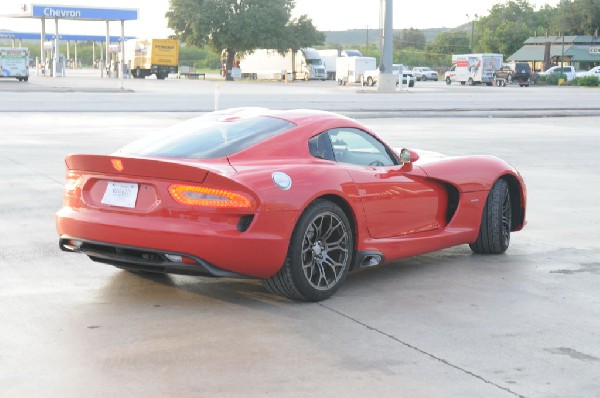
[297, 198]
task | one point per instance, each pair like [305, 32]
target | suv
[425, 73]
[517, 72]
[568, 71]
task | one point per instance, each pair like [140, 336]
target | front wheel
[471, 82]
[448, 81]
[319, 256]
[496, 221]
[370, 81]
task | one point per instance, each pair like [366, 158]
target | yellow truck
[145, 57]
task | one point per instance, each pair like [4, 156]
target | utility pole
[472, 44]
[387, 79]
[367, 49]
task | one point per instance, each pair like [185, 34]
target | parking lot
[446, 324]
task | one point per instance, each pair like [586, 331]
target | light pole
[472, 30]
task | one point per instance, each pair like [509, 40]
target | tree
[413, 38]
[506, 27]
[580, 17]
[239, 26]
[444, 45]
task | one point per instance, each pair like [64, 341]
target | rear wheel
[496, 222]
[319, 256]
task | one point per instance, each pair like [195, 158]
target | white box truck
[329, 57]
[473, 68]
[349, 70]
[14, 62]
[270, 64]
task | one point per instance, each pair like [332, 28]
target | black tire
[319, 256]
[448, 81]
[496, 221]
[471, 82]
[370, 81]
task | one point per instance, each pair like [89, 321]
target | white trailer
[269, 64]
[349, 70]
[473, 68]
[14, 62]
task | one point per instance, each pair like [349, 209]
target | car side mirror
[407, 156]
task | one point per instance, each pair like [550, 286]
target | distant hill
[359, 36]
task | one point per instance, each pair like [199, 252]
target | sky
[325, 14]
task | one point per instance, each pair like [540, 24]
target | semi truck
[269, 64]
[145, 57]
[473, 69]
[14, 62]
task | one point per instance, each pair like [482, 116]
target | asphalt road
[89, 93]
[446, 324]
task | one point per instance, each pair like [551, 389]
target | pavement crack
[423, 352]
[34, 171]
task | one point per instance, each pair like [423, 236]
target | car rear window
[203, 138]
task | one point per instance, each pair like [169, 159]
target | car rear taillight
[72, 181]
[208, 197]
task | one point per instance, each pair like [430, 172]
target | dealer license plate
[121, 194]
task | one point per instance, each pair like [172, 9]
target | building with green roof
[541, 52]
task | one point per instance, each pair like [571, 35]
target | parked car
[407, 76]
[297, 198]
[424, 73]
[592, 72]
[568, 71]
[515, 72]
[372, 76]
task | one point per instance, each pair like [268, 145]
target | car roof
[297, 116]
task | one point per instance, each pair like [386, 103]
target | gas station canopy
[56, 13]
[75, 13]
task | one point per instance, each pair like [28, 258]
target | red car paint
[398, 211]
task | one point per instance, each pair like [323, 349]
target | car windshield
[314, 62]
[206, 138]
[425, 68]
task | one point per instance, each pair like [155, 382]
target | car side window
[320, 147]
[358, 147]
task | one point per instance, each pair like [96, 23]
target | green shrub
[555, 78]
[541, 80]
[587, 81]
